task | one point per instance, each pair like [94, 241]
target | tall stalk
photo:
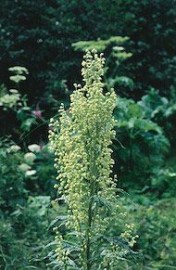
[81, 139]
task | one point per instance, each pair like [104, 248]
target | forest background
[41, 48]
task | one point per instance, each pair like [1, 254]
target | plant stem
[88, 234]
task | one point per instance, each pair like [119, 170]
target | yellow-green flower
[81, 139]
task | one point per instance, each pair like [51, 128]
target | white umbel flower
[29, 158]
[34, 148]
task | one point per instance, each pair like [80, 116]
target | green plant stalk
[81, 139]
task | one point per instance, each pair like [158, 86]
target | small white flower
[24, 167]
[14, 148]
[34, 148]
[30, 173]
[13, 91]
[29, 157]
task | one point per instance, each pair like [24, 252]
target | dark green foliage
[39, 35]
[143, 149]
[162, 110]
[141, 146]
[25, 214]
[24, 235]
[12, 187]
[156, 227]
[151, 27]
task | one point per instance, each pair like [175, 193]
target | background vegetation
[48, 38]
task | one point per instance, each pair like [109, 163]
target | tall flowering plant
[87, 235]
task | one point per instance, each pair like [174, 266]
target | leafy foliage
[150, 26]
[141, 146]
[25, 214]
[24, 235]
[156, 227]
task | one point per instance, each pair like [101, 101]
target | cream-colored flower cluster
[81, 139]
